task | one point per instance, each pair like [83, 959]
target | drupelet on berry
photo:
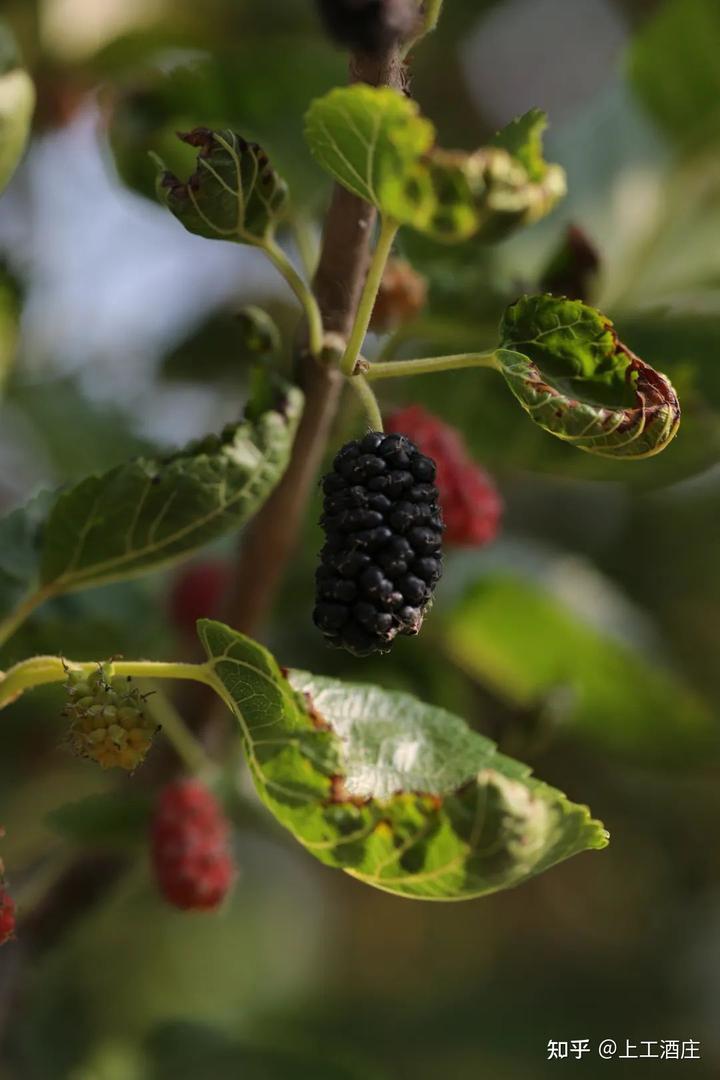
[190, 852]
[382, 555]
[108, 721]
[471, 505]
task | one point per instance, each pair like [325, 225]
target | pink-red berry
[471, 506]
[190, 851]
[197, 593]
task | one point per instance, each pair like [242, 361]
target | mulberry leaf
[571, 373]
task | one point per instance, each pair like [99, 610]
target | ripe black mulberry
[382, 555]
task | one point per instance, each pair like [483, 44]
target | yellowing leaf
[374, 142]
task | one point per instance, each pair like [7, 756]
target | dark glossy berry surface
[382, 555]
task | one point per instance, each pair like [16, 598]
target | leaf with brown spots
[568, 369]
[234, 193]
[401, 795]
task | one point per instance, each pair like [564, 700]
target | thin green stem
[16, 618]
[303, 292]
[388, 230]
[42, 670]
[369, 402]
[186, 746]
[427, 365]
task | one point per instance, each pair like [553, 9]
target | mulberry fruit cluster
[190, 853]
[7, 907]
[382, 554]
[108, 722]
[471, 506]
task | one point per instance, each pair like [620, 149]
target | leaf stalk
[44, 670]
[369, 402]
[302, 291]
[386, 238]
[429, 365]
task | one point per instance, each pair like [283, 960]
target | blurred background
[584, 639]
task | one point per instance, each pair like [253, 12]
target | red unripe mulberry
[190, 850]
[471, 505]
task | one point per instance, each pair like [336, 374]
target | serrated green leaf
[17, 104]
[375, 143]
[363, 135]
[523, 140]
[566, 366]
[151, 512]
[118, 818]
[234, 194]
[399, 794]
[528, 644]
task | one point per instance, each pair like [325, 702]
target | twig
[271, 538]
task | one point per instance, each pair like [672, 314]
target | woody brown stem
[268, 543]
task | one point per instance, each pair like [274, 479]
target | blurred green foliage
[621, 716]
